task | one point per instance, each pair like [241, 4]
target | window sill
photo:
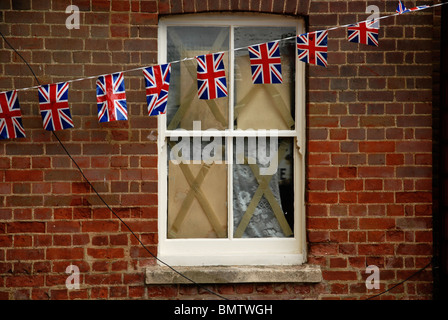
[234, 274]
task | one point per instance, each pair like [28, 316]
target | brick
[63, 227]
[64, 253]
[348, 172]
[26, 227]
[322, 172]
[411, 223]
[167, 291]
[25, 281]
[119, 32]
[101, 174]
[104, 279]
[6, 241]
[20, 17]
[25, 254]
[62, 175]
[376, 249]
[413, 121]
[323, 122]
[99, 226]
[324, 249]
[140, 45]
[414, 249]
[377, 146]
[144, 19]
[142, 226]
[375, 172]
[413, 197]
[5, 188]
[348, 197]
[339, 275]
[118, 292]
[323, 146]
[415, 146]
[369, 96]
[138, 200]
[24, 149]
[376, 223]
[415, 172]
[118, 5]
[376, 197]
[23, 175]
[423, 210]
[377, 121]
[109, 253]
[322, 223]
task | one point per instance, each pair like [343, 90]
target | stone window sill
[234, 274]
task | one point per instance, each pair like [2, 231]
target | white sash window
[231, 170]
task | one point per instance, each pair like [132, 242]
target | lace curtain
[263, 222]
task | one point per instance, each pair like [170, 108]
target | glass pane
[263, 187]
[197, 188]
[264, 106]
[184, 106]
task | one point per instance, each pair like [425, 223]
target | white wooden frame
[230, 251]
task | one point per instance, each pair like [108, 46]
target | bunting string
[211, 79]
[265, 66]
[245, 48]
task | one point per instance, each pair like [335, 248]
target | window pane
[263, 201]
[197, 189]
[264, 106]
[184, 106]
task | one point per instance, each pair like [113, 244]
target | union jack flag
[418, 8]
[54, 109]
[157, 80]
[401, 8]
[265, 63]
[363, 32]
[111, 98]
[211, 76]
[10, 116]
[312, 47]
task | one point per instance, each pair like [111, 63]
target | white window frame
[230, 251]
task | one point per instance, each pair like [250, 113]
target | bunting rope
[243, 48]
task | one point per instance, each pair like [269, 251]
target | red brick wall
[369, 154]
[369, 161]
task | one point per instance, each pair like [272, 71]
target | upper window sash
[233, 21]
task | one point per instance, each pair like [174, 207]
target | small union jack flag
[363, 32]
[111, 98]
[54, 109]
[211, 76]
[418, 8]
[401, 8]
[10, 116]
[157, 81]
[265, 63]
[312, 47]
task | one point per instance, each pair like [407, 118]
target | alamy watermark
[72, 281]
[195, 147]
[72, 22]
[375, 15]
[373, 281]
